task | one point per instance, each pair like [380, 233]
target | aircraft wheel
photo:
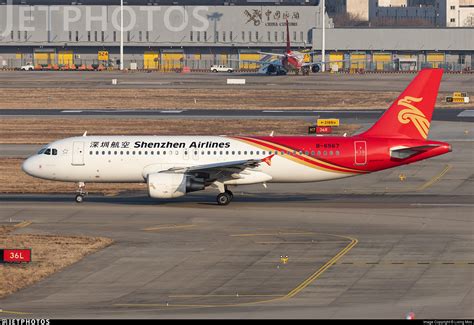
[230, 193]
[79, 198]
[224, 198]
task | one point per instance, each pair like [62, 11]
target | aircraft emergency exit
[173, 166]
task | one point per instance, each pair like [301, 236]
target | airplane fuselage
[292, 159]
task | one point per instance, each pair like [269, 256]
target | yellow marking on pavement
[168, 227]
[22, 224]
[13, 312]
[285, 242]
[435, 179]
[322, 269]
[230, 296]
[291, 294]
[275, 234]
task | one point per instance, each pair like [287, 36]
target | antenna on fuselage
[85, 134]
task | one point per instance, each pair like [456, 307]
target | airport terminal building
[169, 35]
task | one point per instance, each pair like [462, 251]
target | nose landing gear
[80, 192]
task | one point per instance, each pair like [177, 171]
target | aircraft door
[360, 153]
[78, 153]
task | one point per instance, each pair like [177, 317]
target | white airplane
[173, 166]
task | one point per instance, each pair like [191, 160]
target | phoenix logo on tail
[414, 115]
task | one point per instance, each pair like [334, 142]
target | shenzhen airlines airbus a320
[173, 166]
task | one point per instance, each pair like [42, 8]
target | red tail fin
[410, 115]
[288, 44]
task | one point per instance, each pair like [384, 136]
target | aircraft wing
[274, 62]
[273, 54]
[307, 64]
[228, 166]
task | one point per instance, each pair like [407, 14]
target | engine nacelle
[315, 68]
[171, 185]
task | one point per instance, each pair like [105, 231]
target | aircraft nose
[28, 166]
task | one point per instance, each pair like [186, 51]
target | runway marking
[71, 111]
[435, 179]
[408, 263]
[14, 312]
[442, 204]
[22, 224]
[168, 227]
[291, 294]
[228, 296]
[326, 266]
[275, 234]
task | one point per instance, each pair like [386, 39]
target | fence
[348, 66]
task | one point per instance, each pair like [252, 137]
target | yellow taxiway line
[291, 294]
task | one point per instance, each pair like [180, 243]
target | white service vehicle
[27, 67]
[221, 68]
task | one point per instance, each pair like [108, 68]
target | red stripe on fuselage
[318, 163]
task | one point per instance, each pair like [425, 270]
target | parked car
[27, 67]
[221, 68]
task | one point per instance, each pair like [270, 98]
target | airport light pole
[121, 35]
[323, 45]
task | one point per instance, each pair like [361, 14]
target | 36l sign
[15, 255]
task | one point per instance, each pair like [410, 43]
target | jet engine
[271, 69]
[171, 185]
[315, 68]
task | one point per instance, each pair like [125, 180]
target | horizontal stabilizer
[408, 152]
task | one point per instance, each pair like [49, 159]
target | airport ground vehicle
[221, 68]
[27, 67]
[173, 166]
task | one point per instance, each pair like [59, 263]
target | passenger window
[312, 153]
[331, 153]
[319, 153]
[90, 153]
[306, 153]
[115, 153]
[97, 153]
[103, 152]
[146, 152]
[337, 153]
[47, 152]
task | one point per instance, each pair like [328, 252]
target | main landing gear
[80, 192]
[225, 198]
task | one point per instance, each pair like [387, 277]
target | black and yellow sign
[103, 56]
[328, 122]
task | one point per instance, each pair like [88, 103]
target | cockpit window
[54, 152]
[48, 151]
[41, 151]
